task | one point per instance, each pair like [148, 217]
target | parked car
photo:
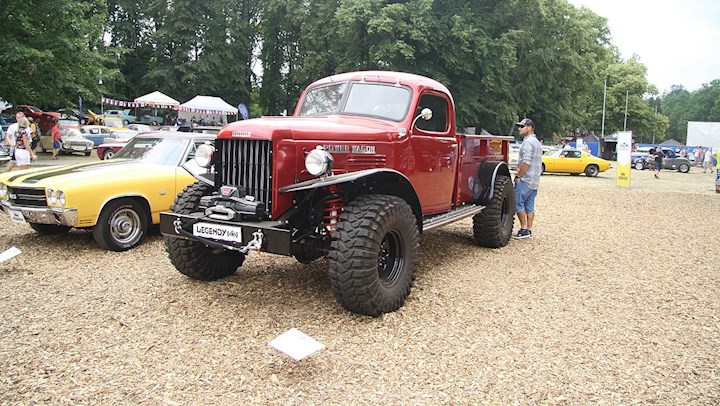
[574, 162]
[139, 127]
[114, 123]
[123, 115]
[671, 161]
[117, 199]
[95, 133]
[114, 143]
[150, 120]
[4, 148]
[72, 142]
[82, 117]
[30, 111]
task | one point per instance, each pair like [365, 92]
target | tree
[51, 52]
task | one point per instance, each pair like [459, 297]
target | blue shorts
[524, 198]
[56, 145]
[658, 165]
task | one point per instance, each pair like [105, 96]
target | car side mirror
[426, 114]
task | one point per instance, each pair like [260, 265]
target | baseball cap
[525, 122]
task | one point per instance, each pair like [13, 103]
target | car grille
[246, 163]
[27, 197]
[77, 143]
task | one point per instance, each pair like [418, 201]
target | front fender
[369, 181]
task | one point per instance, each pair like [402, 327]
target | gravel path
[615, 301]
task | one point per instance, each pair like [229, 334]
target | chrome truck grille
[246, 163]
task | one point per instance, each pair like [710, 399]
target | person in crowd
[35, 134]
[683, 152]
[698, 154]
[565, 144]
[707, 161]
[717, 171]
[10, 139]
[527, 178]
[23, 153]
[658, 160]
[56, 140]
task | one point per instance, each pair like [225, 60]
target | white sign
[9, 253]
[624, 153]
[296, 344]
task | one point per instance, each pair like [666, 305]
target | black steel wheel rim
[391, 258]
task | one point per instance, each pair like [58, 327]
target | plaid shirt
[531, 154]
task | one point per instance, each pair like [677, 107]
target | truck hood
[334, 127]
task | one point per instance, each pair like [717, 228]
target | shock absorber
[333, 206]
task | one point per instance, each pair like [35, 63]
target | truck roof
[409, 79]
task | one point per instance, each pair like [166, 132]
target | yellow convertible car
[118, 198]
[574, 162]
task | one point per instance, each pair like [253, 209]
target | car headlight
[52, 196]
[3, 191]
[204, 155]
[319, 162]
[61, 197]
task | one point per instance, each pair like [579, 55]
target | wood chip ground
[616, 300]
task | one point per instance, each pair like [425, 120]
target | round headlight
[204, 155]
[318, 162]
[3, 190]
[52, 196]
[61, 197]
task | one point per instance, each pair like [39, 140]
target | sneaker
[523, 233]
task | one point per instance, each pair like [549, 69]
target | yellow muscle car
[574, 162]
[118, 198]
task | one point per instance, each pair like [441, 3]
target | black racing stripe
[36, 177]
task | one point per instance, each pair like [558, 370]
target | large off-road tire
[374, 254]
[493, 226]
[192, 258]
[122, 225]
[50, 229]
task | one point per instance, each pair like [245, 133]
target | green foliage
[502, 60]
[50, 54]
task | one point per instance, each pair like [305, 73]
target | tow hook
[255, 243]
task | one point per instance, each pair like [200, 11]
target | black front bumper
[276, 238]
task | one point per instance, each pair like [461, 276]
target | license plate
[218, 232]
[78, 148]
[16, 216]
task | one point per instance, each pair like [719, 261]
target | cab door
[434, 148]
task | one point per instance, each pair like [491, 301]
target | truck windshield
[367, 99]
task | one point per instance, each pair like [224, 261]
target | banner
[624, 161]
[121, 103]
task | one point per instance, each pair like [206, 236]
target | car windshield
[365, 99]
[556, 153]
[154, 150]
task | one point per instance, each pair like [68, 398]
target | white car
[95, 133]
[141, 128]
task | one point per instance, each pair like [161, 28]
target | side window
[439, 121]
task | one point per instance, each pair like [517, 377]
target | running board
[455, 214]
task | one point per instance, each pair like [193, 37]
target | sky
[677, 40]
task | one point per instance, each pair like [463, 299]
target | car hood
[86, 174]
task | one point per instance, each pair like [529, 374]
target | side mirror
[426, 114]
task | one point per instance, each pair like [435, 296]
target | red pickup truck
[368, 162]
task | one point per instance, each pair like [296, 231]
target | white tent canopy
[157, 99]
[208, 105]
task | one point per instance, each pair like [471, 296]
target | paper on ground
[9, 253]
[296, 344]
